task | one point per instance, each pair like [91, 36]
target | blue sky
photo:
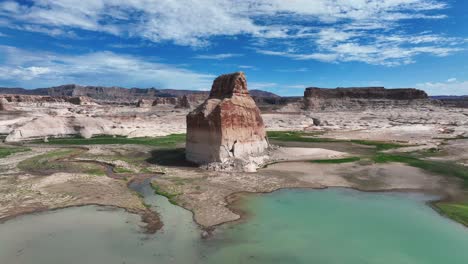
[282, 45]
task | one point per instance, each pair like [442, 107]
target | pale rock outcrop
[5, 105]
[145, 103]
[81, 100]
[165, 101]
[55, 126]
[226, 132]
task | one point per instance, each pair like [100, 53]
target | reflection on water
[289, 226]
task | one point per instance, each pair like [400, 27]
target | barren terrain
[347, 149]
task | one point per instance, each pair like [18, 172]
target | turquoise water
[342, 226]
[334, 226]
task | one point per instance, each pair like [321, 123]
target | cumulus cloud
[22, 67]
[369, 31]
[450, 87]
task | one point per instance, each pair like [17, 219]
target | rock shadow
[170, 157]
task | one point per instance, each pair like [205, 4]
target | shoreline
[234, 203]
[237, 197]
[149, 217]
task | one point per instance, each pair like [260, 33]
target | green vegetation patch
[51, 162]
[45, 161]
[7, 151]
[170, 196]
[92, 169]
[438, 167]
[457, 212]
[122, 170]
[298, 136]
[336, 161]
[379, 145]
[165, 141]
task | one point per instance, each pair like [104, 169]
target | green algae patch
[337, 161]
[170, 196]
[455, 211]
[7, 151]
[165, 141]
[438, 167]
[312, 137]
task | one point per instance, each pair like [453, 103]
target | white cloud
[450, 87]
[314, 56]
[369, 31]
[221, 56]
[261, 85]
[378, 50]
[303, 69]
[296, 86]
[36, 69]
[249, 67]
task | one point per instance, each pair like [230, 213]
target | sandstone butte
[227, 126]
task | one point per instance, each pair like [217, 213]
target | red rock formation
[228, 125]
[183, 102]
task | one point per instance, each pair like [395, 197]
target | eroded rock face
[227, 126]
[363, 97]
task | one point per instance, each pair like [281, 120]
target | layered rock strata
[362, 98]
[227, 128]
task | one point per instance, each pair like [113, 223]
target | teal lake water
[333, 226]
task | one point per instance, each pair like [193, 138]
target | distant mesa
[362, 97]
[316, 99]
[226, 132]
[127, 95]
[367, 93]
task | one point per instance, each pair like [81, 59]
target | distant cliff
[362, 98]
[115, 93]
[453, 101]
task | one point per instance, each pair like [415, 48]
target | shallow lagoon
[289, 226]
